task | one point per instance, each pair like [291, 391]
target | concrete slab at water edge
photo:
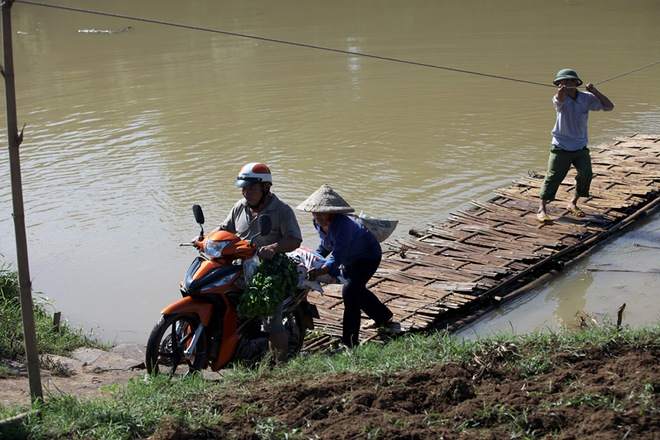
[123, 356]
[86, 373]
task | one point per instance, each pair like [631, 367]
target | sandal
[370, 325]
[373, 325]
[544, 219]
[576, 211]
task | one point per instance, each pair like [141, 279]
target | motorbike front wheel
[170, 338]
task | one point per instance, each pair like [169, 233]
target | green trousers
[559, 163]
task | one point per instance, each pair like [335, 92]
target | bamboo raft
[459, 269]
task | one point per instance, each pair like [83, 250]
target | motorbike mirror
[199, 218]
[199, 214]
[265, 225]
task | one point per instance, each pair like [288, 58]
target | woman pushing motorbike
[348, 243]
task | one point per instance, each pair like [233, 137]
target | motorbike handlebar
[194, 242]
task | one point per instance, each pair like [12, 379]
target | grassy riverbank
[52, 339]
[599, 382]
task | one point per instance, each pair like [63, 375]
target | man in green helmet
[569, 140]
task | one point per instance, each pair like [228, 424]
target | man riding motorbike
[255, 180]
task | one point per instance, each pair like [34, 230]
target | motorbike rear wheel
[294, 324]
[169, 339]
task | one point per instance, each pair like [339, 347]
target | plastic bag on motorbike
[308, 259]
[271, 281]
[249, 267]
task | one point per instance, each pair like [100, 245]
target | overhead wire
[629, 72]
[311, 46]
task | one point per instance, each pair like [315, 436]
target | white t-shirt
[570, 130]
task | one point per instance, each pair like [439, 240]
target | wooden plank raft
[456, 270]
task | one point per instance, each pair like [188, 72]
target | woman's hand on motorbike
[313, 273]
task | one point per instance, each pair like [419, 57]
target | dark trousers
[358, 298]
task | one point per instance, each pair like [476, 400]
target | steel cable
[312, 46]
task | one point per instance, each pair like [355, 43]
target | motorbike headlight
[214, 248]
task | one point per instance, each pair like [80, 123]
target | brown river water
[408, 109]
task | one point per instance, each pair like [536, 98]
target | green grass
[60, 341]
[147, 404]
[136, 410]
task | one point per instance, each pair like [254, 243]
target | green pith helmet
[566, 74]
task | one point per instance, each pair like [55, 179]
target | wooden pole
[25, 284]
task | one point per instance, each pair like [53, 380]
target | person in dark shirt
[348, 244]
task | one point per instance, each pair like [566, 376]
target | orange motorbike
[203, 329]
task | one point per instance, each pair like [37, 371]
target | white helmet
[253, 173]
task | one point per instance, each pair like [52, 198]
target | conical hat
[325, 200]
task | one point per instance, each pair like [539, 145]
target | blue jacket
[346, 242]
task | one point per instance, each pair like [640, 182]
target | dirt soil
[484, 399]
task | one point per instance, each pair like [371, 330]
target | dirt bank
[610, 392]
[606, 394]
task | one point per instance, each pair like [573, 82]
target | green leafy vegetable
[271, 282]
